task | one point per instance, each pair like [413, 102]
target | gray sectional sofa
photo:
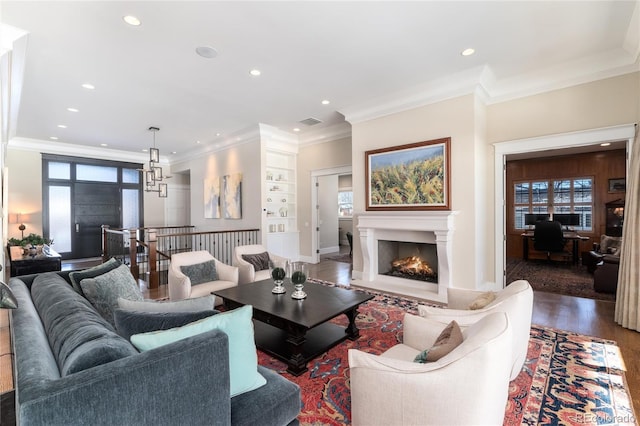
[72, 368]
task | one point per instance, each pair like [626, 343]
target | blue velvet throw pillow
[104, 290]
[129, 323]
[201, 272]
[77, 276]
[243, 357]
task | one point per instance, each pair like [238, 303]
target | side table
[33, 264]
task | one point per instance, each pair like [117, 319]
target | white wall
[25, 189]
[473, 128]
[243, 158]
[455, 118]
[331, 154]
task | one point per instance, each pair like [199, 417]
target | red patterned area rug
[568, 378]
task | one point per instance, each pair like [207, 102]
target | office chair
[547, 237]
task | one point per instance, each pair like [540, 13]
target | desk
[32, 264]
[568, 235]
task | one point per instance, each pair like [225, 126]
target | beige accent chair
[469, 385]
[180, 285]
[248, 274]
[516, 300]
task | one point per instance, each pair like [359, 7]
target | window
[345, 203]
[554, 196]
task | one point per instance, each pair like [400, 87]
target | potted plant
[32, 243]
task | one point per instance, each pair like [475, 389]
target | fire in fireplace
[413, 267]
[413, 261]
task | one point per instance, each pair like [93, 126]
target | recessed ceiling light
[295, 129]
[88, 86]
[206, 52]
[174, 152]
[62, 126]
[73, 110]
[468, 52]
[325, 102]
[605, 144]
[131, 20]
[198, 142]
[55, 138]
[255, 73]
[217, 134]
[145, 150]
[103, 144]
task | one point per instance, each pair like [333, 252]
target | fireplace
[408, 260]
[385, 239]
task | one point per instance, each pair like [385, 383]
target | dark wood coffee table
[296, 331]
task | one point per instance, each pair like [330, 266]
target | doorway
[94, 205]
[575, 141]
[318, 224]
[80, 195]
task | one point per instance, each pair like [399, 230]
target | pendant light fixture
[153, 175]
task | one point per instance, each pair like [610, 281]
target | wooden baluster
[133, 255]
[105, 244]
[153, 260]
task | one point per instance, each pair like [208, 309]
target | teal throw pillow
[243, 358]
[201, 272]
[77, 276]
[104, 290]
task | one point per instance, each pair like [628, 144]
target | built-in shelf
[280, 227]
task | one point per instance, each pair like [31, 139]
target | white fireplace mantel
[435, 227]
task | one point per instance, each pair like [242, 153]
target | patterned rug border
[559, 384]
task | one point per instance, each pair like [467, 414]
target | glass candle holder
[278, 271]
[299, 274]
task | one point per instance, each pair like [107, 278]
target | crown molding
[246, 135]
[326, 134]
[438, 90]
[60, 148]
[482, 82]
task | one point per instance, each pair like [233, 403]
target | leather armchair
[605, 277]
[247, 271]
[466, 386]
[608, 246]
[180, 286]
[516, 300]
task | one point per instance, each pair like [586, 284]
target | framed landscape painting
[409, 177]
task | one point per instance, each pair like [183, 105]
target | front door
[95, 204]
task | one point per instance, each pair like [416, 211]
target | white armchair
[469, 385]
[180, 286]
[516, 300]
[248, 272]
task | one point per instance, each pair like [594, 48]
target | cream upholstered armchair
[469, 385]
[516, 300]
[252, 261]
[191, 275]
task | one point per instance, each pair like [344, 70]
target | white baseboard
[334, 249]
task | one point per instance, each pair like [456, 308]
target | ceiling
[366, 58]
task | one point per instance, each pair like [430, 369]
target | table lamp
[7, 299]
[20, 218]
